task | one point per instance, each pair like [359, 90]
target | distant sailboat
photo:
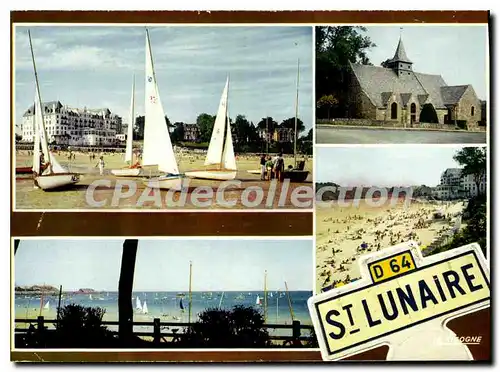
[157, 149]
[47, 306]
[138, 305]
[145, 307]
[133, 170]
[220, 154]
[258, 301]
[90, 297]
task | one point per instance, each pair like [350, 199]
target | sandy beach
[340, 232]
[75, 197]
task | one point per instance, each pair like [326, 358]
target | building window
[472, 111]
[394, 110]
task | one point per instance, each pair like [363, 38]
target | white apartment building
[74, 126]
[453, 185]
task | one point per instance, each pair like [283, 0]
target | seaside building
[394, 92]
[74, 126]
[191, 132]
[454, 185]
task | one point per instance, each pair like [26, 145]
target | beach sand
[340, 231]
[75, 197]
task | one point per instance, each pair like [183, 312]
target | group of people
[271, 167]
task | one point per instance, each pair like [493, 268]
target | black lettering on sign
[406, 299]
[426, 294]
[347, 308]
[452, 283]
[394, 314]
[394, 265]
[340, 326]
[469, 278]
[377, 270]
[439, 287]
[371, 322]
[406, 263]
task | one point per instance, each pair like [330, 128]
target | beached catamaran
[54, 176]
[157, 148]
[132, 170]
[220, 159]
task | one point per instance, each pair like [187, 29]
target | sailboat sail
[158, 148]
[130, 129]
[138, 305]
[215, 148]
[40, 135]
[47, 306]
[258, 301]
[228, 156]
[145, 308]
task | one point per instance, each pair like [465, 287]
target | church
[395, 93]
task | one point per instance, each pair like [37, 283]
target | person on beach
[263, 167]
[100, 164]
[279, 166]
[269, 168]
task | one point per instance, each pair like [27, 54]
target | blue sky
[94, 67]
[457, 53]
[400, 165]
[163, 265]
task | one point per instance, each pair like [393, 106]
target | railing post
[39, 323]
[40, 336]
[157, 331]
[296, 333]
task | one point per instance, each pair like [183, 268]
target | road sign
[403, 300]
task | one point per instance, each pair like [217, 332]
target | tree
[290, 123]
[267, 123]
[206, 124]
[18, 137]
[240, 327]
[428, 114]
[328, 102]
[473, 161]
[178, 133]
[139, 127]
[245, 131]
[336, 47]
[125, 285]
[385, 63]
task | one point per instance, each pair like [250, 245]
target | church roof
[400, 55]
[452, 94]
[377, 82]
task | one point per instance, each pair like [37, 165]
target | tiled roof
[452, 94]
[376, 82]
[45, 106]
[400, 55]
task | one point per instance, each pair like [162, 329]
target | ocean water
[168, 306]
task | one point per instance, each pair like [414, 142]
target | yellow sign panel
[392, 266]
[419, 295]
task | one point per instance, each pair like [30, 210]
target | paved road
[335, 135]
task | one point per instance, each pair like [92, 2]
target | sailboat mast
[227, 127]
[220, 302]
[296, 115]
[190, 293]
[277, 303]
[41, 102]
[265, 296]
[130, 130]
[289, 302]
[267, 135]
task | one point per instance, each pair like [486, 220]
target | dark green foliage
[139, 127]
[81, 326]
[336, 47]
[240, 327]
[428, 114]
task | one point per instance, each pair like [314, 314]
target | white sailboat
[54, 176]
[133, 170]
[145, 308]
[258, 301]
[157, 150]
[47, 306]
[90, 297]
[220, 157]
[138, 305]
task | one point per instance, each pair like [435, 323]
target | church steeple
[400, 63]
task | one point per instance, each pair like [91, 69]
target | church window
[472, 111]
[394, 110]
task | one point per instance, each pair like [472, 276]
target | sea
[172, 306]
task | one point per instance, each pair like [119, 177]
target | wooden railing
[159, 335]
